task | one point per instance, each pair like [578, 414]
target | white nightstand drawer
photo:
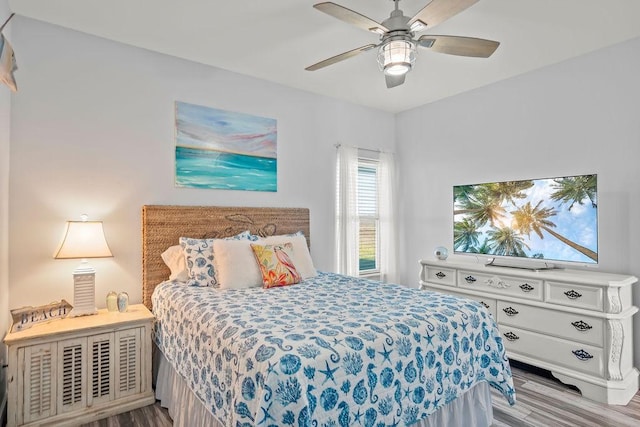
[505, 285]
[585, 329]
[576, 356]
[441, 276]
[575, 295]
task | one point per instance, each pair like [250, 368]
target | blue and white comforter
[332, 350]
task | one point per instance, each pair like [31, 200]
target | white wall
[580, 116]
[93, 132]
[5, 117]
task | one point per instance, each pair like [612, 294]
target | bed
[330, 350]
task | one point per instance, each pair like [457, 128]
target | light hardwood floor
[542, 402]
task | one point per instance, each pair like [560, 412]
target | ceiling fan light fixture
[397, 69]
[396, 57]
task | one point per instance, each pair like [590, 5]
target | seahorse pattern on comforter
[330, 351]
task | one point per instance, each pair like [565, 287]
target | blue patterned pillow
[199, 256]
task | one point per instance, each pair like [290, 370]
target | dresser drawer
[505, 285]
[576, 356]
[571, 295]
[489, 303]
[575, 327]
[441, 276]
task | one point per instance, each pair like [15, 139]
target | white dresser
[575, 323]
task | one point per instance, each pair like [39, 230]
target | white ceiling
[275, 40]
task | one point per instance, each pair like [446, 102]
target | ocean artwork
[225, 150]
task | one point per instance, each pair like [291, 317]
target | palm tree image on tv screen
[552, 219]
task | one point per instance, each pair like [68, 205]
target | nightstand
[80, 369]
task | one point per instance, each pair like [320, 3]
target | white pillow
[199, 257]
[301, 256]
[235, 264]
[173, 257]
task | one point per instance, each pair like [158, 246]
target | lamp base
[84, 295]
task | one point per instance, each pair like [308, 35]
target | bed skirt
[472, 409]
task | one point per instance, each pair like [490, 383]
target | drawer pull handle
[510, 311]
[470, 279]
[526, 287]
[485, 304]
[511, 336]
[440, 275]
[573, 294]
[582, 354]
[581, 325]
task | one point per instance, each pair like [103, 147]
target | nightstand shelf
[77, 370]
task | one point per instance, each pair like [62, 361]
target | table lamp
[83, 239]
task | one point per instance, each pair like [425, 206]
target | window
[368, 217]
[365, 218]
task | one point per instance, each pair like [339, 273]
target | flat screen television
[550, 220]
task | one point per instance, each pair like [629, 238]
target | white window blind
[368, 217]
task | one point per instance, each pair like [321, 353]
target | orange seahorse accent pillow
[276, 265]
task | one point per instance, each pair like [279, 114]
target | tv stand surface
[541, 266]
[575, 323]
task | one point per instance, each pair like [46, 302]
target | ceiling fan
[397, 47]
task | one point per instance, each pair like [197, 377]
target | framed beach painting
[224, 149]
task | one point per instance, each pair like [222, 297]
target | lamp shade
[83, 239]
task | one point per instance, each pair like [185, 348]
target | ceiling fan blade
[393, 81]
[461, 46]
[440, 10]
[351, 17]
[338, 58]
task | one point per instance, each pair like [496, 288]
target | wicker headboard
[162, 226]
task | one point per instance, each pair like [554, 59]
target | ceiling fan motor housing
[397, 21]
